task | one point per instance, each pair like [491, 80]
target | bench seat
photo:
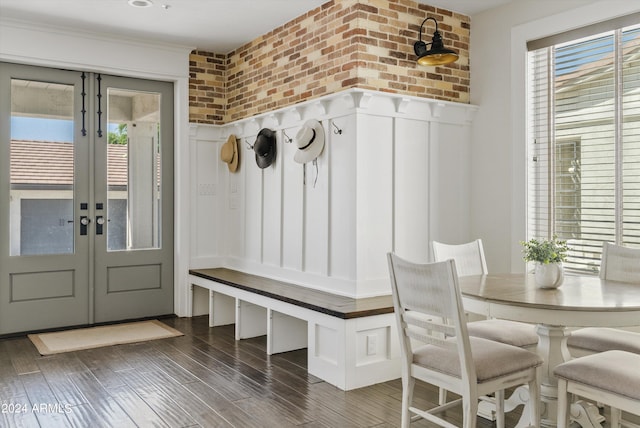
[350, 342]
[327, 303]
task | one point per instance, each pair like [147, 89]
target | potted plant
[548, 255]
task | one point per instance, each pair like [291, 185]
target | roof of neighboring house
[595, 69]
[117, 164]
[51, 163]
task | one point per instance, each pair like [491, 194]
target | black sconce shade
[437, 54]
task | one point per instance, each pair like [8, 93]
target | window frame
[537, 164]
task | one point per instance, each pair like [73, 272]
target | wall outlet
[372, 344]
[208, 189]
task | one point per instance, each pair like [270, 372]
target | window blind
[583, 169]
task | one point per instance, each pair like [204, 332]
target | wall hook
[249, 145]
[337, 130]
[287, 139]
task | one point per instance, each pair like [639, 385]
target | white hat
[310, 141]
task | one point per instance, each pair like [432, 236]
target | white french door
[86, 192]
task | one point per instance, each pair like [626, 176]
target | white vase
[549, 275]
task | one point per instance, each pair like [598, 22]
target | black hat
[265, 147]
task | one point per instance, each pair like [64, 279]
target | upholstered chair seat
[491, 359]
[591, 340]
[610, 378]
[504, 331]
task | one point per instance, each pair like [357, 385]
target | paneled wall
[393, 175]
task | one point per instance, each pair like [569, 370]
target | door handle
[99, 224]
[84, 223]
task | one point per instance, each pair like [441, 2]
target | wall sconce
[437, 54]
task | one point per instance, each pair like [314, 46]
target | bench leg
[211, 302]
[285, 333]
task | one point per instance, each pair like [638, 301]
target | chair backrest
[428, 308]
[620, 263]
[469, 257]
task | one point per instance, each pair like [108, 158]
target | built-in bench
[351, 342]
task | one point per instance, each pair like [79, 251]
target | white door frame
[24, 43]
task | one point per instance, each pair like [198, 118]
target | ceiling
[218, 26]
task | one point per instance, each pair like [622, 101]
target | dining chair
[436, 347]
[618, 263]
[611, 378]
[470, 260]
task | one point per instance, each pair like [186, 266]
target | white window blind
[583, 166]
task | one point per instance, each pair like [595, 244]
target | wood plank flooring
[202, 379]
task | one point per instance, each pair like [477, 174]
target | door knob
[84, 222]
[99, 223]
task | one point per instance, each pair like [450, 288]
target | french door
[86, 198]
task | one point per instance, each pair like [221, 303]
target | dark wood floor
[202, 379]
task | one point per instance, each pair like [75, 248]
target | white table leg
[552, 347]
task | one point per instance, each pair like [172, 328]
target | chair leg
[408, 383]
[442, 396]
[469, 412]
[616, 416]
[563, 404]
[534, 400]
[500, 408]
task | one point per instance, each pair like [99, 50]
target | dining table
[580, 301]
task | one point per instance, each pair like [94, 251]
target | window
[584, 142]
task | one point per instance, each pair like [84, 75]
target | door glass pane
[133, 170]
[42, 173]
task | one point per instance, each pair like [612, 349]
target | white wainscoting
[394, 174]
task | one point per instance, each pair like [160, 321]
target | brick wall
[207, 95]
[342, 44]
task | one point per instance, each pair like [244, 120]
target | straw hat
[229, 153]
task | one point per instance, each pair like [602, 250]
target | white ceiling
[213, 25]
[465, 7]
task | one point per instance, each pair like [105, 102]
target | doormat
[97, 337]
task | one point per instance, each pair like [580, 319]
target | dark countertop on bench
[320, 301]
